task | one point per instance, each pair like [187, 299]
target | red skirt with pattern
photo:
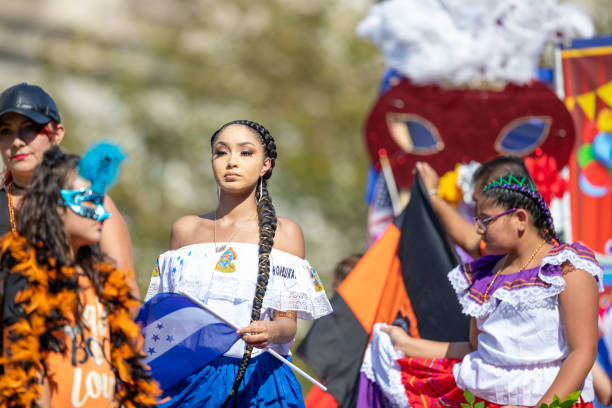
[429, 383]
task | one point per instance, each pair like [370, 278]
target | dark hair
[343, 268]
[267, 228]
[39, 221]
[497, 167]
[519, 191]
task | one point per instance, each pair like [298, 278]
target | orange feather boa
[23, 362]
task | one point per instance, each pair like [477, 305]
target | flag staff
[390, 181]
[274, 353]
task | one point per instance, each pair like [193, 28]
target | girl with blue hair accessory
[68, 337]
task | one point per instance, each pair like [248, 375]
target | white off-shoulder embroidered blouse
[225, 282]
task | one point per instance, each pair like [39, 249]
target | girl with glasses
[533, 303]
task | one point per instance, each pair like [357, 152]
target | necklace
[11, 210]
[224, 246]
[17, 186]
[486, 294]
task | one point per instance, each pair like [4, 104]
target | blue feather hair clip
[100, 165]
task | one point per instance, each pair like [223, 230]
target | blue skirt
[267, 383]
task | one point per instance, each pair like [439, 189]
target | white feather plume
[459, 41]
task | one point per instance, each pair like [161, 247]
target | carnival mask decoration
[74, 200]
[99, 165]
[410, 123]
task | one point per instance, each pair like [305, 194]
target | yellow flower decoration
[448, 189]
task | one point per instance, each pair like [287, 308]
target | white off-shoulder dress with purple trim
[521, 345]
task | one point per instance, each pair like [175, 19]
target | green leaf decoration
[570, 400]
[464, 405]
[567, 403]
[469, 397]
[479, 405]
[543, 405]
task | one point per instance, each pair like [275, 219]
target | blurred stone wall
[160, 76]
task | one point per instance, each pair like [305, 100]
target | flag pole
[272, 352]
[390, 181]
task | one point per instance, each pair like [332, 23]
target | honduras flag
[180, 337]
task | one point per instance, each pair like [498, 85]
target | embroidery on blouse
[225, 263]
[283, 272]
[508, 285]
[155, 272]
[316, 280]
[578, 250]
[467, 272]
[478, 296]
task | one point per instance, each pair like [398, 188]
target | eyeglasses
[482, 223]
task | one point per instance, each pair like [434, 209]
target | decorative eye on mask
[73, 199]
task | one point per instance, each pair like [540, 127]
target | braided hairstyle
[518, 191]
[267, 228]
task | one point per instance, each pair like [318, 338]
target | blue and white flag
[180, 337]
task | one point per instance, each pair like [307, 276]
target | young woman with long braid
[533, 304]
[247, 265]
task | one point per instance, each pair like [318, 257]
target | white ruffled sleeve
[461, 281]
[576, 254]
[294, 285]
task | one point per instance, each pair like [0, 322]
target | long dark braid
[512, 191]
[267, 228]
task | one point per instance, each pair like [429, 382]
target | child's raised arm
[578, 304]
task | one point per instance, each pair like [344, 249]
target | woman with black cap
[30, 124]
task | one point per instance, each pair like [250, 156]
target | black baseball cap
[30, 101]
